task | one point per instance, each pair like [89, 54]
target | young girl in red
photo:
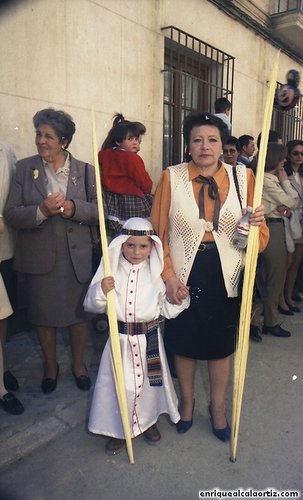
[125, 181]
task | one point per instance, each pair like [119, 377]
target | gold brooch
[35, 173]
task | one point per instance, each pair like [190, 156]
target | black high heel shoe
[184, 425]
[222, 434]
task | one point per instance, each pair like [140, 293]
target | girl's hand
[175, 290]
[257, 217]
[107, 284]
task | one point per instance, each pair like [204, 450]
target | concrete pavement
[46, 416]
[270, 440]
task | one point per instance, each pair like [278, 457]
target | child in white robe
[136, 259]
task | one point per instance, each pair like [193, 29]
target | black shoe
[184, 425]
[222, 434]
[114, 446]
[295, 309]
[83, 382]
[297, 298]
[152, 435]
[286, 312]
[276, 330]
[11, 404]
[254, 334]
[49, 384]
[10, 382]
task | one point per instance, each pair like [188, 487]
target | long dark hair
[275, 154]
[290, 146]
[119, 131]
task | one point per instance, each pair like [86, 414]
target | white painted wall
[74, 54]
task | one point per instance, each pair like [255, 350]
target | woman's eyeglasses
[297, 153]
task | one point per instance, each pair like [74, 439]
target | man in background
[247, 149]
[222, 110]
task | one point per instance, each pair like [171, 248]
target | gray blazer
[35, 250]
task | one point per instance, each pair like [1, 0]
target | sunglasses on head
[297, 153]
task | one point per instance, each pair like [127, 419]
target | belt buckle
[202, 247]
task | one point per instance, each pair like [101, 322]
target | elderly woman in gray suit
[52, 204]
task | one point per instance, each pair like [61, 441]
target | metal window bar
[198, 74]
[285, 6]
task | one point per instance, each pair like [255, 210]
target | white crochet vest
[186, 230]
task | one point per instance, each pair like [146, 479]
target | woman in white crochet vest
[195, 211]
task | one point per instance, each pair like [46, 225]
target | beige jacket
[7, 167]
[276, 193]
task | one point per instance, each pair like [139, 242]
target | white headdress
[137, 227]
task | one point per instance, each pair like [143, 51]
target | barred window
[195, 75]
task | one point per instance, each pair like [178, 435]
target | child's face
[130, 143]
[136, 249]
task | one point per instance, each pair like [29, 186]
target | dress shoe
[152, 435]
[286, 312]
[295, 309]
[49, 384]
[297, 298]
[254, 334]
[276, 330]
[10, 382]
[222, 434]
[184, 425]
[11, 404]
[114, 446]
[83, 382]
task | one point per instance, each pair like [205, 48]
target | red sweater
[123, 172]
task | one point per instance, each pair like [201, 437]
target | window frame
[190, 63]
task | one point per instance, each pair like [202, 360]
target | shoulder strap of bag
[86, 180]
[234, 169]
[93, 229]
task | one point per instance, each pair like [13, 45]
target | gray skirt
[56, 299]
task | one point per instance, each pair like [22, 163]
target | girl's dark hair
[197, 119]
[61, 122]
[119, 131]
[290, 146]
[275, 153]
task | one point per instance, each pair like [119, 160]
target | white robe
[139, 298]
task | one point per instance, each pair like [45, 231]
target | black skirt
[207, 329]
